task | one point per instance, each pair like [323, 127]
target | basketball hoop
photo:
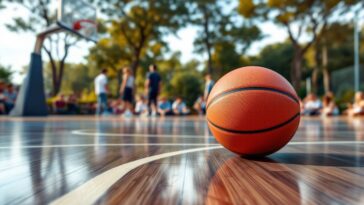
[85, 27]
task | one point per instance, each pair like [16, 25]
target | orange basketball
[253, 111]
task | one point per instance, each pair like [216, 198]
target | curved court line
[84, 132]
[93, 189]
[167, 144]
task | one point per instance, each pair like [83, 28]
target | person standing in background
[209, 83]
[101, 90]
[126, 91]
[152, 87]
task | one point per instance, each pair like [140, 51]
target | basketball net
[85, 27]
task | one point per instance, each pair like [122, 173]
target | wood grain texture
[297, 174]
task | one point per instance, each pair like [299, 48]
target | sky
[15, 48]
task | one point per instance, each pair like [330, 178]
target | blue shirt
[165, 105]
[154, 80]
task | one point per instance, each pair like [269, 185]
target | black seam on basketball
[255, 131]
[252, 88]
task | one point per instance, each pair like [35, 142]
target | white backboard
[78, 17]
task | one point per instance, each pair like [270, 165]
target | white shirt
[140, 107]
[313, 105]
[130, 82]
[179, 106]
[100, 84]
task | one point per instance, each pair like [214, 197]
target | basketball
[253, 111]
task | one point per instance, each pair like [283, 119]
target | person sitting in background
[141, 107]
[2, 98]
[200, 105]
[117, 106]
[72, 104]
[10, 98]
[357, 108]
[179, 107]
[164, 107]
[312, 105]
[60, 105]
[329, 106]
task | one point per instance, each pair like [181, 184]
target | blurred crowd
[311, 105]
[150, 103]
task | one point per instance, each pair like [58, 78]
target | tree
[219, 25]
[225, 58]
[276, 57]
[113, 53]
[333, 50]
[41, 16]
[141, 24]
[229, 53]
[5, 74]
[310, 16]
[109, 53]
[210, 19]
[77, 78]
[2, 4]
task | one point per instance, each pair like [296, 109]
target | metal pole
[308, 85]
[356, 53]
[41, 36]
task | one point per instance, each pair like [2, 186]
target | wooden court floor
[88, 160]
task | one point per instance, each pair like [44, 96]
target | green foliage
[2, 6]
[5, 74]
[225, 58]
[41, 15]
[186, 85]
[137, 27]
[77, 78]
[218, 24]
[276, 57]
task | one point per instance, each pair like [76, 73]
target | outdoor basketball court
[88, 160]
[149, 158]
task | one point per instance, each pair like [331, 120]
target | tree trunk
[119, 77]
[316, 69]
[54, 72]
[296, 69]
[314, 79]
[209, 60]
[135, 64]
[54, 77]
[58, 87]
[207, 41]
[325, 70]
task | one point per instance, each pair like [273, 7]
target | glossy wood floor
[47, 160]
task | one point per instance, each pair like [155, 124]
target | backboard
[78, 17]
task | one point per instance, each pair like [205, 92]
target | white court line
[325, 142]
[83, 132]
[168, 144]
[107, 145]
[93, 189]
[90, 133]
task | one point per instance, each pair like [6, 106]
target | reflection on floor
[42, 159]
